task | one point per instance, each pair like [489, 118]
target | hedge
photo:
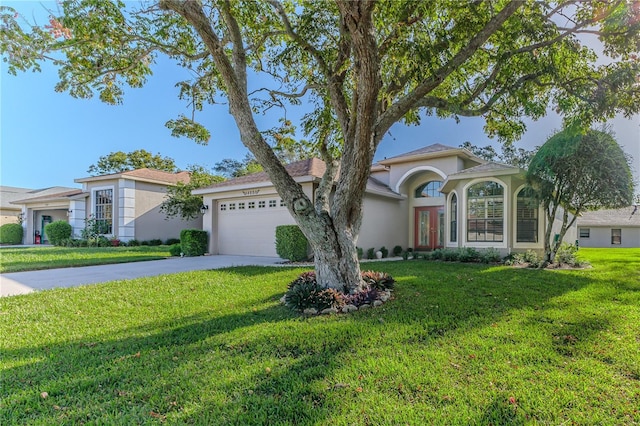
[57, 232]
[291, 243]
[194, 242]
[11, 233]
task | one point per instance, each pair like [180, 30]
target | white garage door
[247, 226]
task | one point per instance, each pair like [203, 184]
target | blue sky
[49, 139]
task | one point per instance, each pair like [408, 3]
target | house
[610, 228]
[12, 213]
[436, 196]
[129, 203]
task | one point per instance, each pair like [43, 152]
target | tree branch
[409, 101]
[335, 83]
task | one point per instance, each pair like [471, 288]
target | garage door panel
[250, 232]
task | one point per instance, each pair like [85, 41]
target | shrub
[100, 241]
[371, 253]
[360, 252]
[378, 280]
[304, 292]
[194, 242]
[175, 249]
[529, 257]
[155, 242]
[566, 254]
[367, 296]
[144, 243]
[291, 243]
[172, 241]
[299, 295]
[133, 243]
[58, 231]
[468, 254]
[490, 255]
[11, 233]
[397, 250]
[385, 251]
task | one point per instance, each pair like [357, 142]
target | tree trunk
[332, 235]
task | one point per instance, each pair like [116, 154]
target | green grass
[34, 258]
[460, 344]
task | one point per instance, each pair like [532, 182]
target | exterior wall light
[204, 209]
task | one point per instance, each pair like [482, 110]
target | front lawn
[34, 258]
[461, 344]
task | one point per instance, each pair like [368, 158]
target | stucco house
[436, 196]
[11, 212]
[610, 228]
[129, 203]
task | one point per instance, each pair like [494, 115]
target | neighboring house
[129, 202]
[11, 212]
[610, 228]
[437, 196]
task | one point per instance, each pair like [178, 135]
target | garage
[247, 226]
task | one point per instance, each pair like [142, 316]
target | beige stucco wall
[9, 216]
[601, 237]
[442, 167]
[384, 223]
[150, 222]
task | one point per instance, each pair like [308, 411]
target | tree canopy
[362, 65]
[579, 171]
[117, 162]
[512, 155]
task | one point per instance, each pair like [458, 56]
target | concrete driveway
[26, 282]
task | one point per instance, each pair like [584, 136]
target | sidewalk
[15, 283]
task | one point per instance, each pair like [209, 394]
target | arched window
[429, 189]
[526, 217]
[453, 214]
[485, 212]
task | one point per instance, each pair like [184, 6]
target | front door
[429, 228]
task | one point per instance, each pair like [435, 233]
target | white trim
[126, 209]
[447, 209]
[93, 203]
[514, 217]
[77, 217]
[414, 171]
[463, 228]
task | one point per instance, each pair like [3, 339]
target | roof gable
[435, 150]
[313, 167]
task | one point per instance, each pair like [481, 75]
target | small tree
[578, 172]
[94, 229]
[180, 202]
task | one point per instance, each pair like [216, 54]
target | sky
[49, 139]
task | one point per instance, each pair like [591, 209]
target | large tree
[362, 65]
[574, 172]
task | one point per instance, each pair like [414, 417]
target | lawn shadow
[266, 363]
[230, 369]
